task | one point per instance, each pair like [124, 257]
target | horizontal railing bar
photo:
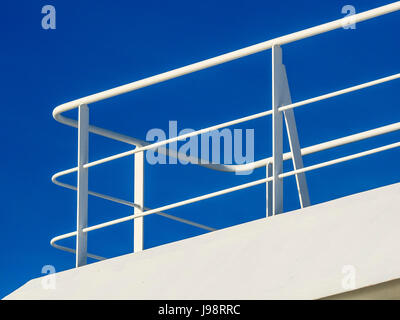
[237, 121]
[214, 194]
[286, 156]
[178, 204]
[67, 249]
[178, 138]
[340, 92]
[218, 167]
[133, 205]
[62, 173]
[329, 144]
[239, 187]
[336, 24]
[195, 224]
[102, 132]
[139, 143]
[349, 139]
[339, 160]
[71, 250]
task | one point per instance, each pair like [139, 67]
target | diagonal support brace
[280, 97]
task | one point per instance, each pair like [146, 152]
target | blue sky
[98, 45]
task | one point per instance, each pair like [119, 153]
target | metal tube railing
[214, 194]
[286, 156]
[142, 146]
[261, 163]
[340, 92]
[57, 112]
[239, 187]
[134, 205]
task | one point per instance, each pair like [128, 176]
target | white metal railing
[282, 106]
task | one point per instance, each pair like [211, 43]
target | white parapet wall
[332, 248]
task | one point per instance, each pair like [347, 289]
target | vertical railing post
[82, 183]
[277, 129]
[139, 200]
[268, 168]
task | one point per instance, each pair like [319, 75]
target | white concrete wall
[296, 255]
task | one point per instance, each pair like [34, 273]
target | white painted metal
[281, 103]
[139, 201]
[133, 205]
[295, 148]
[243, 167]
[277, 131]
[83, 183]
[178, 138]
[329, 144]
[337, 24]
[240, 187]
[71, 250]
[268, 184]
[343, 159]
[124, 202]
[305, 151]
[57, 112]
[297, 159]
[291, 128]
[179, 204]
[340, 92]
[286, 156]
[267, 180]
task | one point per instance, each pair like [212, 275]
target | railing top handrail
[336, 24]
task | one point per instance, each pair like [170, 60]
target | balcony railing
[282, 107]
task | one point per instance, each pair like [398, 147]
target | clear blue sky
[102, 44]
